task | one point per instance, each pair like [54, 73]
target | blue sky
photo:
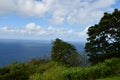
[50, 19]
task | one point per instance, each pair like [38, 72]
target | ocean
[12, 50]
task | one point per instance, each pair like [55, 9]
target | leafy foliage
[21, 71]
[49, 71]
[56, 71]
[111, 78]
[14, 72]
[108, 68]
[104, 38]
[65, 52]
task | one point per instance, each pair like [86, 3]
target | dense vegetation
[103, 48]
[104, 38]
[65, 53]
[20, 71]
[51, 70]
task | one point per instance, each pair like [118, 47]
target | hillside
[42, 69]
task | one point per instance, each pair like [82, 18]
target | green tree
[104, 38]
[65, 53]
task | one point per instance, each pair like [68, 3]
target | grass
[56, 71]
[111, 78]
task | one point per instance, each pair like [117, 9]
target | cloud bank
[59, 11]
[34, 31]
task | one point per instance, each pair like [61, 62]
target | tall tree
[104, 38]
[64, 52]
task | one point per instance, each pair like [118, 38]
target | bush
[36, 76]
[111, 78]
[45, 67]
[57, 71]
[109, 67]
[49, 71]
[14, 72]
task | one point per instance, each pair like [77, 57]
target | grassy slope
[51, 70]
[111, 78]
[56, 71]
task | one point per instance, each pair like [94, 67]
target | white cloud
[79, 11]
[33, 7]
[102, 4]
[6, 6]
[61, 11]
[32, 30]
[32, 27]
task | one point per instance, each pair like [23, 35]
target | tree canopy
[64, 52]
[104, 38]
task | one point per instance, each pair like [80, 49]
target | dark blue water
[24, 50]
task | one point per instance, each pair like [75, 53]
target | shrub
[14, 72]
[49, 71]
[36, 76]
[107, 68]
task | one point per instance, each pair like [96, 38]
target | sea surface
[23, 50]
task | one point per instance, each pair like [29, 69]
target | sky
[50, 19]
